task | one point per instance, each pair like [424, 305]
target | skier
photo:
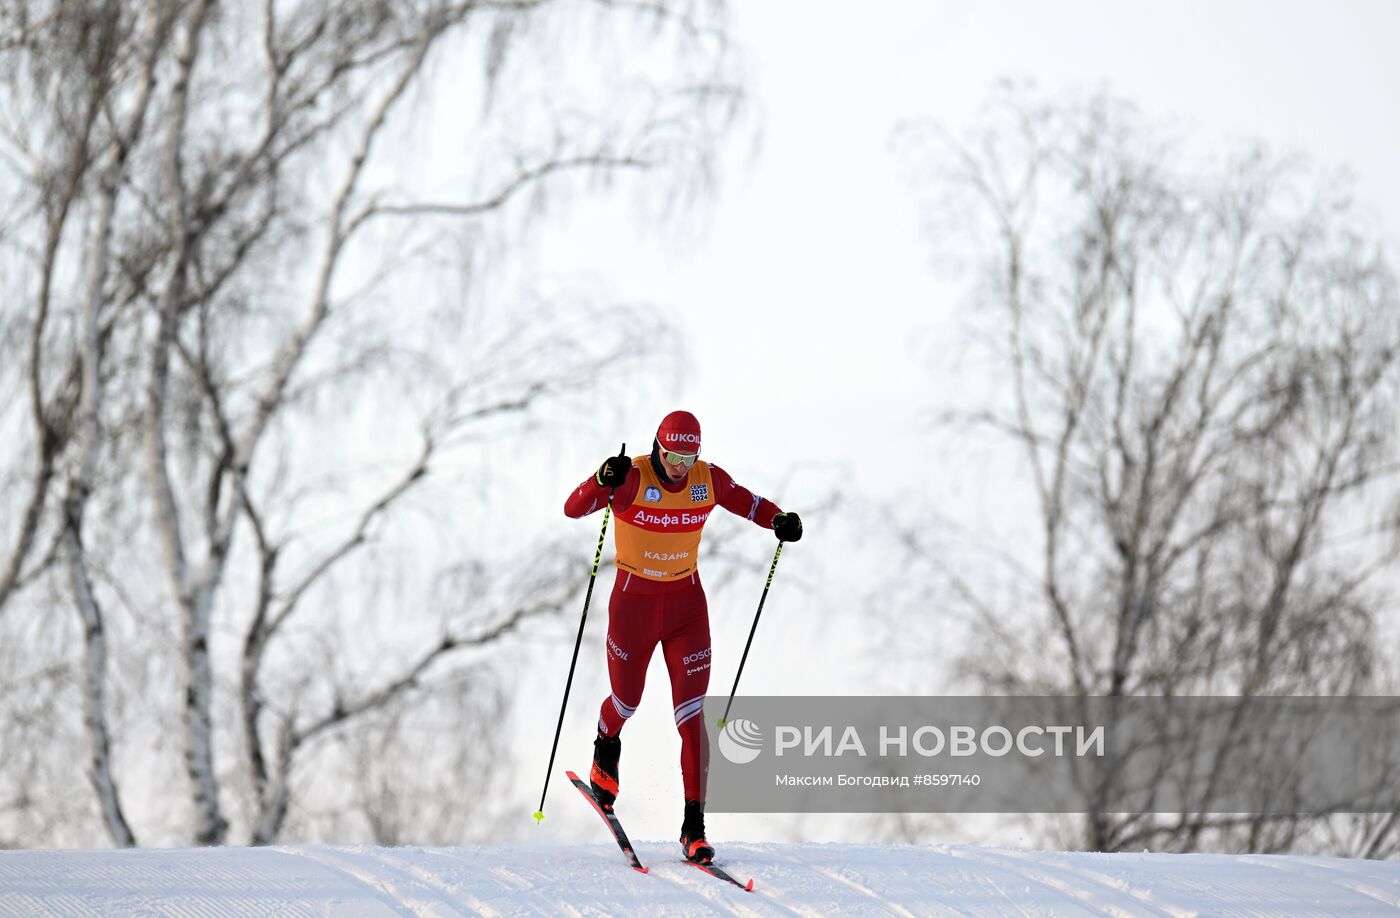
[662, 501]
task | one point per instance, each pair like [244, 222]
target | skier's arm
[590, 496]
[740, 501]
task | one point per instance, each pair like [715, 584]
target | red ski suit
[663, 606]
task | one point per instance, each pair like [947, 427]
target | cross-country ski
[610, 819]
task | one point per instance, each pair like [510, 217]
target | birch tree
[1200, 366]
[234, 245]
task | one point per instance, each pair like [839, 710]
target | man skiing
[662, 501]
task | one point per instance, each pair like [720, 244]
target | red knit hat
[680, 432]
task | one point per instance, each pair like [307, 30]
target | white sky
[803, 301]
[810, 295]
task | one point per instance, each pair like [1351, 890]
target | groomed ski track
[806, 879]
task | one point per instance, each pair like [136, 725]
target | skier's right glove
[613, 472]
[787, 527]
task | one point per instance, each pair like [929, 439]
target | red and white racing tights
[641, 614]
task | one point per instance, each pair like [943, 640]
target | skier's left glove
[787, 527]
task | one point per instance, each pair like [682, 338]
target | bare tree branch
[501, 197]
[1197, 403]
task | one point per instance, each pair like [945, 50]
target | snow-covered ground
[593, 880]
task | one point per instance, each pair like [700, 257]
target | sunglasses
[673, 458]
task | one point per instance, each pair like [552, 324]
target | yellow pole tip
[722, 722]
[539, 816]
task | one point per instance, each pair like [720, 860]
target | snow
[790, 879]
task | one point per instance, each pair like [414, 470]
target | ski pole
[725, 719]
[578, 641]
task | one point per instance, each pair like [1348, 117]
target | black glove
[613, 472]
[787, 527]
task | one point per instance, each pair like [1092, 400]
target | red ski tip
[749, 888]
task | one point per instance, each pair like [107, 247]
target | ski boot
[603, 779]
[697, 850]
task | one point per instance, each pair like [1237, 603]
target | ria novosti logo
[741, 741]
